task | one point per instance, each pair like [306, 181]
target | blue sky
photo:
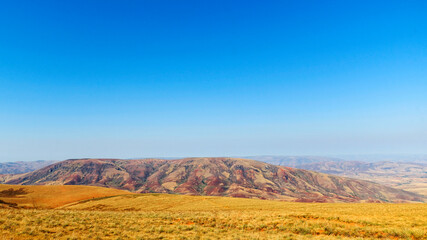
[211, 78]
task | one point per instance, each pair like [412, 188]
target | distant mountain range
[22, 167]
[414, 158]
[410, 176]
[214, 177]
[293, 161]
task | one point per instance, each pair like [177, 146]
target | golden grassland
[163, 216]
[52, 196]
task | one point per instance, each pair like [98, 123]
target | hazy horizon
[345, 157]
[211, 79]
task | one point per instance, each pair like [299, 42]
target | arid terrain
[167, 216]
[202, 198]
[403, 173]
[407, 173]
[213, 177]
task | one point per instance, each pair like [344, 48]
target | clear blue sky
[211, 78]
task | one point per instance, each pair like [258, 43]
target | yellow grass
[162, 216]
[55, 196]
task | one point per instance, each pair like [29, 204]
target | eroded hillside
[213, 177]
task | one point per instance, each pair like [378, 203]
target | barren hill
[213, 177]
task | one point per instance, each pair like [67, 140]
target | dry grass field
[49, 196]
[162, 216]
